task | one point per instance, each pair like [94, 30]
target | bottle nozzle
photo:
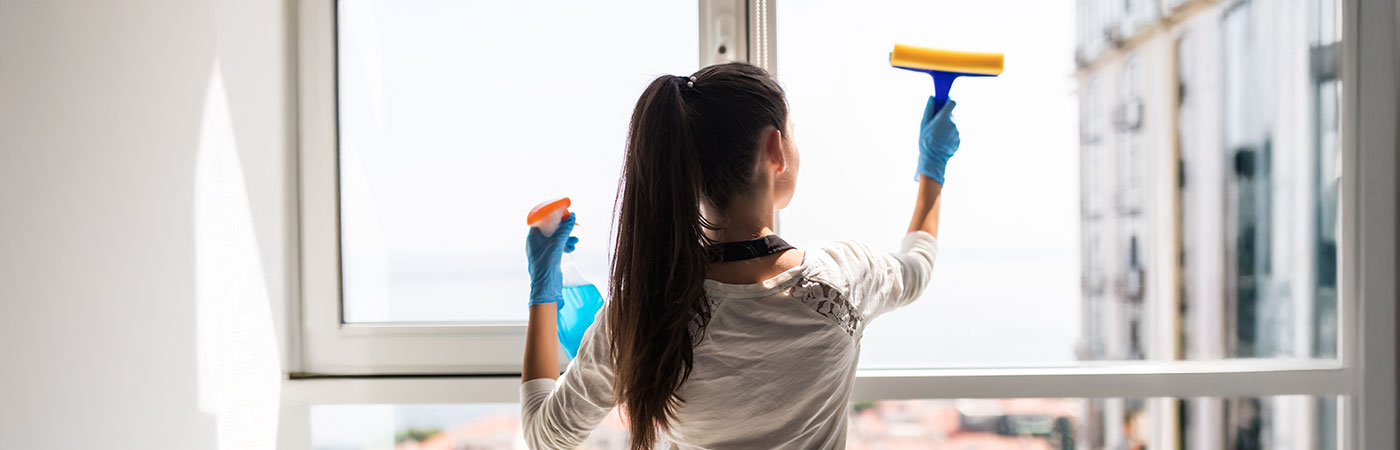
[547, 215]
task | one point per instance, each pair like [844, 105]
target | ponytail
[692, 141]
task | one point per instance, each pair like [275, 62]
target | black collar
[742, 250]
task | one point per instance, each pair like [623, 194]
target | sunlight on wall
[238, 368]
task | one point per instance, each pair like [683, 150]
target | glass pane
[1260, 423]
[1173, 199]
[1004, 288]
[457, 117]
[1259, 162]
[1133, 186]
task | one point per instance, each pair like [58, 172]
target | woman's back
[774, 362]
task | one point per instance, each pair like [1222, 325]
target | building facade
[1209, 171]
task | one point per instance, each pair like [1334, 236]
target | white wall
[105, 116]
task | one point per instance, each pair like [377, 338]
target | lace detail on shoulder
[698, 323]
[828, 302]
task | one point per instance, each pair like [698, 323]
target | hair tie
[691, 83]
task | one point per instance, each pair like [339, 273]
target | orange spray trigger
[547, 215]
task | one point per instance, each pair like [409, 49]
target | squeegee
[945, 66]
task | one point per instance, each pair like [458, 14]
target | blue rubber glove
[938, 140]
[544, 254]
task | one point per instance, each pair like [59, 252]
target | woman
[717, 333]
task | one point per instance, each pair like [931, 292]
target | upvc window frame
[332, 362]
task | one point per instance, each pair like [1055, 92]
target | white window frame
[335, 363]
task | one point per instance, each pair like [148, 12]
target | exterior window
[448, 137]
[1006, 289]
[1148, 204]
[1210, 258]
[432, 181]
[1241, 169]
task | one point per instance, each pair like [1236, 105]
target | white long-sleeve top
[773, 367]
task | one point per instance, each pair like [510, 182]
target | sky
[457, 117]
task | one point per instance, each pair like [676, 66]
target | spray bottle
[581, 298]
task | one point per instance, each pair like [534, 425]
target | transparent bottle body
[581, 303]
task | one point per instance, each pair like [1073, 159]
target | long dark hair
[692, 140]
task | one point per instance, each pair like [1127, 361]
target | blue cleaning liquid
[581, 303]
